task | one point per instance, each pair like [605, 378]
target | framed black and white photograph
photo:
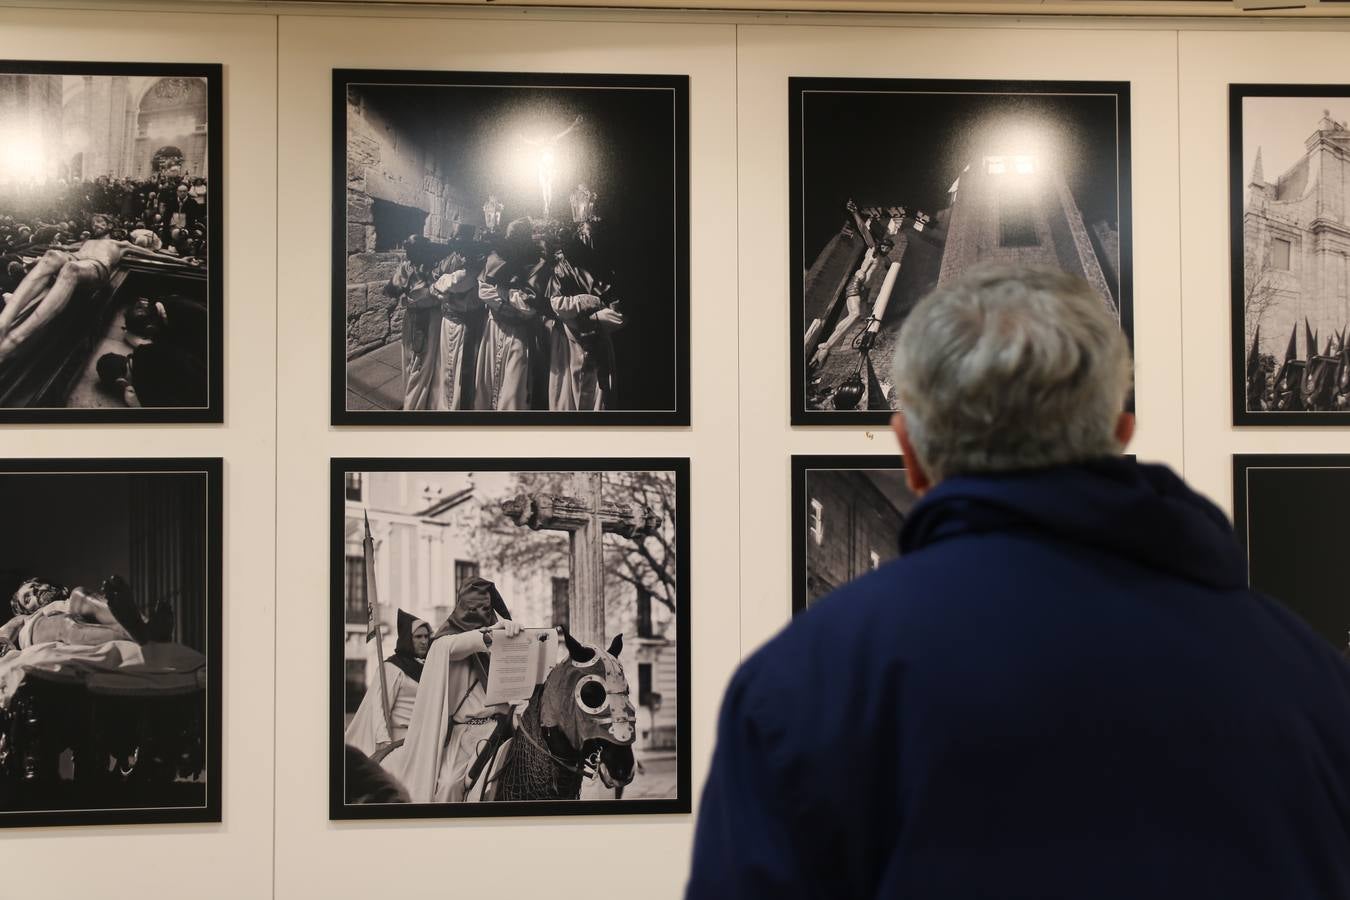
[110, 652]
[1290, 253]
[900, 185]
[110, 242]
[510, 248]
[1287, 510]
[509, 637]
[847, 512]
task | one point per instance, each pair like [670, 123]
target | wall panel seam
[1181, 260]
[740, 480]
[276, 436]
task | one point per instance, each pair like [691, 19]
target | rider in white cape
[434, 768]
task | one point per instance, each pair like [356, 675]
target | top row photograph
[513, 248]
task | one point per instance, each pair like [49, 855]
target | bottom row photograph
[110, 658]
[849, 511]
[508, 636]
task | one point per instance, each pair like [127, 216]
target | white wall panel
[1209, 62]
[559, 857]
[767, 56]
[232, 859]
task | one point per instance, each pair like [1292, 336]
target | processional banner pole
[373, 608]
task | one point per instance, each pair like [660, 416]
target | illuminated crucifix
[587, 518]
[546, 162]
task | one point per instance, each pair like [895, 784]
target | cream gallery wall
[330, 342]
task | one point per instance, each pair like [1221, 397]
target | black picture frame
[338, 809]
[214, 411]
[1290, 564]
[1237, 185]
[211, 470]
[800, 519]
[846, 132]
[678, 88]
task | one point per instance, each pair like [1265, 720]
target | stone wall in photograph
[385, 164]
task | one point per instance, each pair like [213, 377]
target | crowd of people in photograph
[166, 213]
[1319, 382]
[522, 322]
[61, 240]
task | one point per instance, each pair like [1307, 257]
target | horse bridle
[586, 768]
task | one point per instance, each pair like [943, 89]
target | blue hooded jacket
[1062, 689]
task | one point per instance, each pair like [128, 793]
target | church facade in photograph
[83, 127]
[1296, 241]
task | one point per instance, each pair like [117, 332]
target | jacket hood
[1142, 512]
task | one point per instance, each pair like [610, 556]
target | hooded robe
[432, 765]
[421, 333]
[581, 354]
[459, 335]
[510, 343]
[368, 730]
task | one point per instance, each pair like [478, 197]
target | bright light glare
[21, 157]
[1021, 164]
[532, 151]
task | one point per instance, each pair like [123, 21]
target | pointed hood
[478, 604]
[404, 656]
[1117, 506]
[1254, 357]
[1258, 171]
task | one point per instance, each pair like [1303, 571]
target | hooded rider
[451, 717]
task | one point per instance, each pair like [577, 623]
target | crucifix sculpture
[546, 162]
[586, 518]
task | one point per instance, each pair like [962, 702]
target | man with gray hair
[1063, 688]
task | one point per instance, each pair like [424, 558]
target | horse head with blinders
[579, 724]
[585, 702]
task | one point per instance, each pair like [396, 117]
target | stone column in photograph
[586, 518]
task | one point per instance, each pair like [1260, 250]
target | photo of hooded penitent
[110, 285]
[510, 640]
[510, 248]
[899, 186]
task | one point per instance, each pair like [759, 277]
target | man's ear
[1125, 430]
[915, 474]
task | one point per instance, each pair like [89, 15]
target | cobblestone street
[375, 380]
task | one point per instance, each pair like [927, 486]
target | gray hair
[1011, 367]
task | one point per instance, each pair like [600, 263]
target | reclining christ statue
[53, 282]
[46, 613]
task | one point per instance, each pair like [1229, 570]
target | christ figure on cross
[546, 162]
